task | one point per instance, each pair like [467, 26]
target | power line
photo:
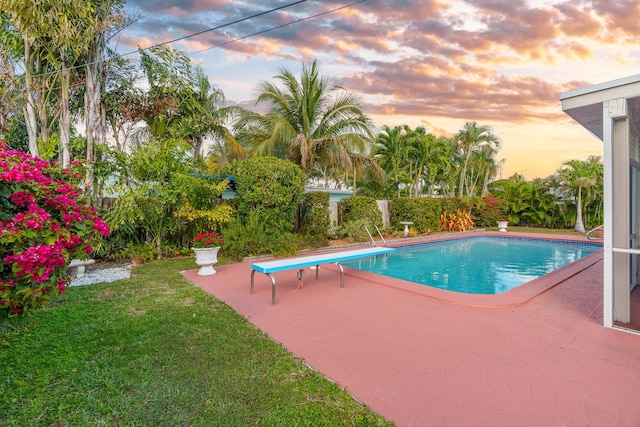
[277, 27]
[178, 39]
[218, 27]
[222, 26]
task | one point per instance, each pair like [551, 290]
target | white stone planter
[79, 265]
[206, 258]
[502, 226]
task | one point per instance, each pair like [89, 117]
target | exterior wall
[383, 205]
[334, 211]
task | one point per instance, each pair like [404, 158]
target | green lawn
[157, 350]
[565, 231]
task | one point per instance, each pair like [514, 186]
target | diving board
[300, 263]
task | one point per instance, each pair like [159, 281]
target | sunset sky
[502, 63]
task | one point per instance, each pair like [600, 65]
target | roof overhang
[585, 105]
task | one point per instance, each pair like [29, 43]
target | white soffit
[584, 105]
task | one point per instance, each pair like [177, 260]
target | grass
[157, 350]
[563, 231]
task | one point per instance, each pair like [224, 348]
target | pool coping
[512, 298]
[419, 361]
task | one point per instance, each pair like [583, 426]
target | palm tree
[579, 177]
[440, 169]
[206, 116]
[469, 139]
[391, 151]
[419, 143]
[182, 103]
[305, 125]
[516, 191]
[542, 202]
[482, 169]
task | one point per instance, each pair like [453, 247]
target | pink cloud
[434, 87]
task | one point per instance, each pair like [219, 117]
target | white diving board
[300, 263]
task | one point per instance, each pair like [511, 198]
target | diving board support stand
[300, 263]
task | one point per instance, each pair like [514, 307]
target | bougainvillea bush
[44, 223]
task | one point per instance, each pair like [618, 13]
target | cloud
[621, 16]
[184, 7]
[433, 87]
[467, 59]
[577, 21]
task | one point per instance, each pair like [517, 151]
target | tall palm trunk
[579, 224]
[463, 174]
[29, 112]
[65, 117]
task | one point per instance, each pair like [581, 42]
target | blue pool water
[476, 265]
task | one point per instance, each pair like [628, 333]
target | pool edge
[512, 298]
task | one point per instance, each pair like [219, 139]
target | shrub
[250, 237]
[486, 211]
[360, 207]
[272, 189]
[200, 201]
[458, 221]
[314, 220]
[44, 223]
[173, 211]
[355, 231]
[423, 212]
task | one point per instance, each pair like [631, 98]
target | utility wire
[277, 27]
[218, 27]
[180, 38]
[222, 26]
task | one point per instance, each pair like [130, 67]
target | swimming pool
[476, 265]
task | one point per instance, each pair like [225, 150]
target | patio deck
[421, 358]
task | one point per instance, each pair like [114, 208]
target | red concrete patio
[535, 356]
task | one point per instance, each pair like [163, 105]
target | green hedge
[424, 212]
[314, 218]
[270, 188]
[356, 208]
[486, 211]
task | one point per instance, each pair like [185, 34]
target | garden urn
[206, 258]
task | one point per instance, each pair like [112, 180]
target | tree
[515, 190]
[482, 169]
[56, 37]
[416, 141]
[121, 99]
[162, 194]
[182, 103]
[10, 86]
[440, 168]
[55, 34]
[20, 21]
[391, 152]
[579, 178]
[107, 17]
[305, 125]
[472, 138]
[209, 117]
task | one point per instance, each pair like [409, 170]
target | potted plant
[502, 224]
[206, 247]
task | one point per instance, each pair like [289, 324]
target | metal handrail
[595, 229]
[380, 234]
[373, 242]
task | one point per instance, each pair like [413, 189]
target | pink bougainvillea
[44, 223]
